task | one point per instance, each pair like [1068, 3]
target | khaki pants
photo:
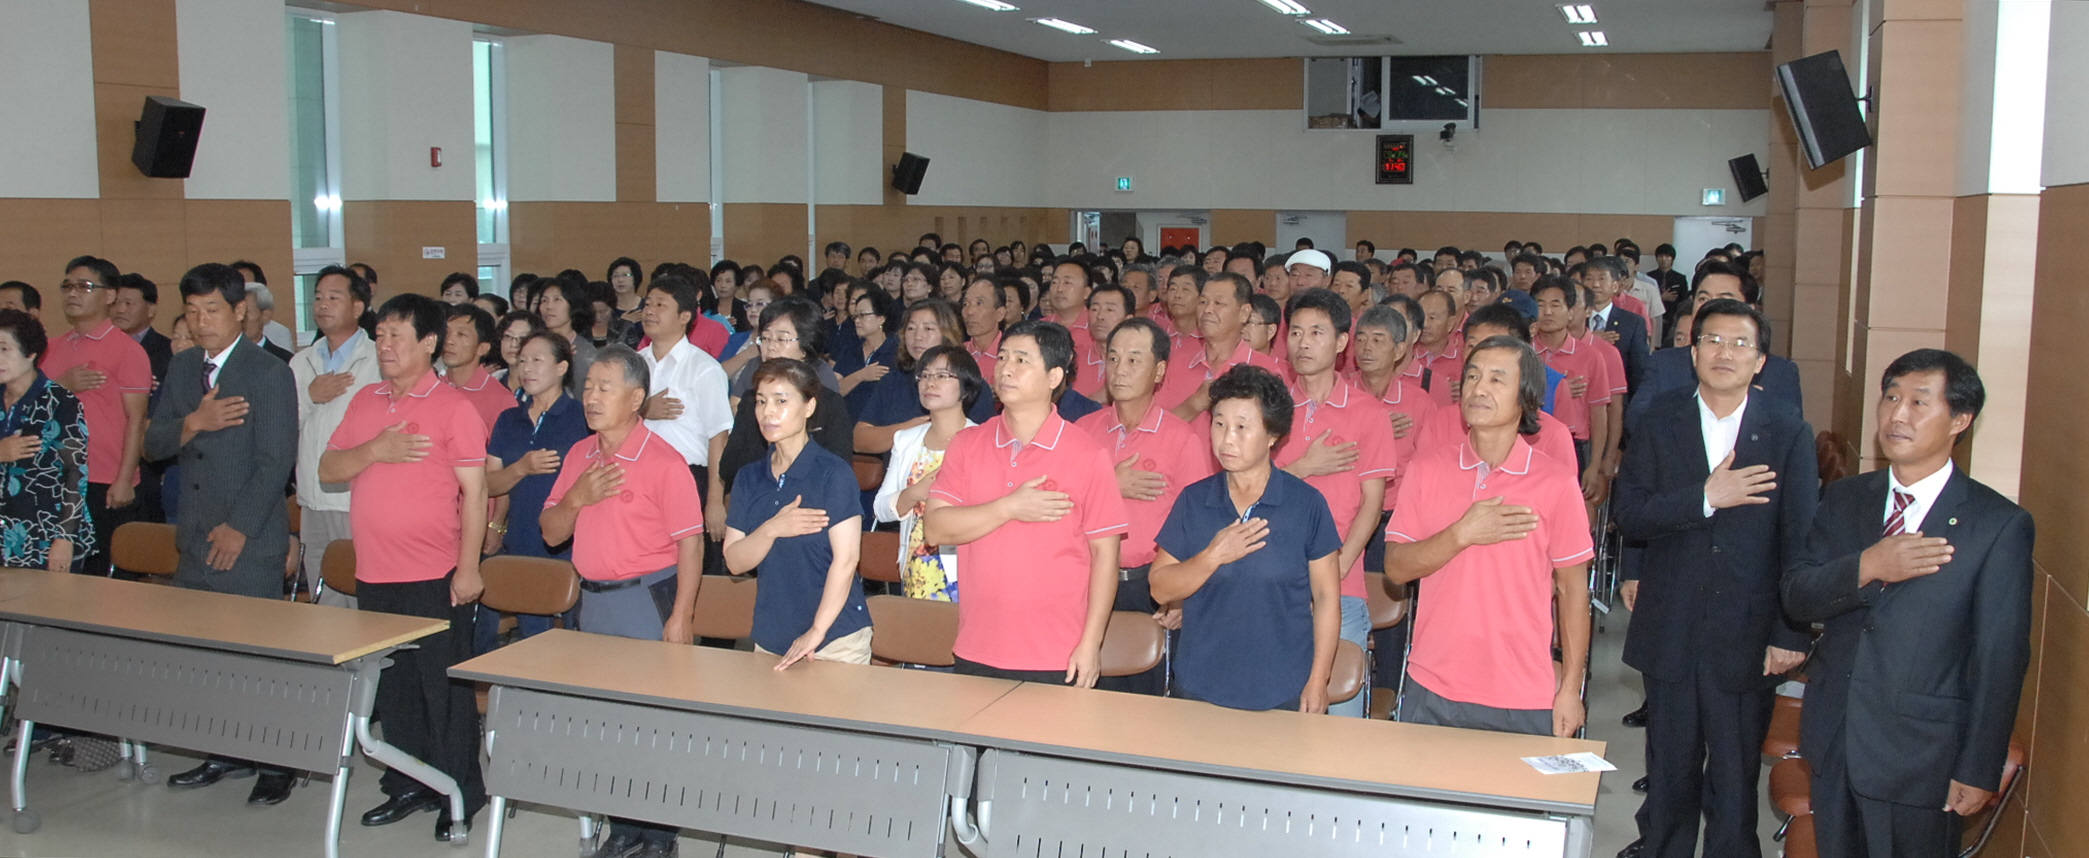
[851, 648]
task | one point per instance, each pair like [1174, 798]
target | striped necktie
[1897, 522]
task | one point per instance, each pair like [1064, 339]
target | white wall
[2002, 97]
[1567, 161]
[233, 63]
[848, 142]
[562, 133]
[2067, 97]
[681, 128]
[981, 154]
[47, 139]
[405, 87]
[765, 139]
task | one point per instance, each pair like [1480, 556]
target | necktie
[1897, 522]
[208, 368]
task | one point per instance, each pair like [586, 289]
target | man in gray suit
[229, 411]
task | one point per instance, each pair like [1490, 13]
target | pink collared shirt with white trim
[405, 515]
[636, 532]
[128, 371]
[1350, 415]
[1484, 622]
[1189, 371]
[1025, 598]
[486, 394]
[1574, 359]
[1163, 444]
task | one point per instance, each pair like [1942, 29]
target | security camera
[1450, 130]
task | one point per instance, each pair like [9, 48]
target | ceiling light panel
[1578, 13]
[1326, 27]
[1594, 39]
[1132, 46]
[991, 5]
[1065, 26]
[1288, 7]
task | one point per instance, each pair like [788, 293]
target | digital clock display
[1396, 159]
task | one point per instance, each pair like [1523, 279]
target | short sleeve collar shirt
[109, 351]
[635, 531]
[514, 436]
[1163, 444]
[1191, 367]
[690, 375]
[405, 515]
[1484, 622]
[1026, 583]
[794, 574]
[1346, 415]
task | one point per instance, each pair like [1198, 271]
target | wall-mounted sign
[1395, 159]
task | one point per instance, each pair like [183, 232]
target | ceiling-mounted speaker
[1817, 92]
[1748, 177]
[907, 174]
[167, 131]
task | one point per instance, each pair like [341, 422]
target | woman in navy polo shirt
[795, 514]
[522, 463]
[1257, 579]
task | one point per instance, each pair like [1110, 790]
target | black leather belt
[609, 586]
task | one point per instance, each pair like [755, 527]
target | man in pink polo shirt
[1156, 456]
[464, 349]
[1583, 401]
[1223, 314]
[1446, 427]
[1033, 506]
[1500, 541]
[1341, 443]
[1065, 300]
[111, 375]
[1177, 311]
[1439, 346]
[413, 453]
[1107, 306]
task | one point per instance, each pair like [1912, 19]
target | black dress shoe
[1636, 717]
[1640, 786]
[444, 825]
[1633, 850]
[621, 844]
[399, 807]
[272, 788]
[209, 773]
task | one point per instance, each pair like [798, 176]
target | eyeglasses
[936, 375]
[78, 286]
[863, 315]
[777, 340]
[1715, 341]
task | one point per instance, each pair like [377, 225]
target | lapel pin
[1953, 522]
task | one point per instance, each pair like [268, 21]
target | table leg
[413, 768]
[25, 820]
[336, 807]
[495, 820]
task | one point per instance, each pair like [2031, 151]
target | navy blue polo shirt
[849, 360]
[896, 399]
[515, 435]
[1247, 634]
[794, 575]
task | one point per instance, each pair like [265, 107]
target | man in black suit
[1606, 276]
[1922, 578]
[1672, 369]
[1721, 486]
[229, 412]
[137, 302]
[259, 302]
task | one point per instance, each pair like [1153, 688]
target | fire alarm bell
[435, 156]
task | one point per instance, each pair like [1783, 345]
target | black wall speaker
[167, 131]
[1817, 92]
[906, 175]
[1748, 177]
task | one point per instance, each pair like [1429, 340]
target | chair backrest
[297, 515]
[1133, 643]
[144, 548]
[913, 631]
[870, 472]
[1347, 679]
[724, 607]
[538, 586]
[879, 559]
[1387, 610]
[1831, 456]
[337, 566]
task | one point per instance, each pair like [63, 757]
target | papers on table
[1560, 764]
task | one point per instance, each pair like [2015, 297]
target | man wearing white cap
[1308, 269]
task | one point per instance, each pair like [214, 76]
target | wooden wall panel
[1483, 231]
[134, 42]
[226, 230]
[1723, 81]
[1233, 226]
[637, 168]
[548, 237]
[2054, 434]
[1252, 84]
[890, 228]
[389, 235]
[761, 233]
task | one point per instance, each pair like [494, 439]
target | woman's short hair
[804, 317]
[30, 339]
[561, 349]
[881, 303]
[580, 302]
[1264, 389]
[470, 284]
[947, 319]
[796, 374]
[969, 380]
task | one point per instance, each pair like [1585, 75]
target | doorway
[1328, 230]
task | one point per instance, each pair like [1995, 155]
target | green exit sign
[1124, 184]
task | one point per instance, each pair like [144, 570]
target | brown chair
[1347, 679]
[337, 567]
[145, 548]
[1988, 817]
[1387, 610]
[724, 607]
[1132, 644]
[1798, 838]
[913, 631]
[1783, 738]
[879, 559]
[1791, 787]
[870, 472]
[1831, 456]
[538, 586]
[297, 515]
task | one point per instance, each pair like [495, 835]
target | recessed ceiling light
[1326, 26]
[1132, 46]
[1288, 7]
[1424, 80]
[1594, 39]
[1578, 13]
[1065, 26]
[1445, 90]
[992, 5]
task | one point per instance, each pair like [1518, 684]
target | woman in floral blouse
[950, 384]
[43, 457]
